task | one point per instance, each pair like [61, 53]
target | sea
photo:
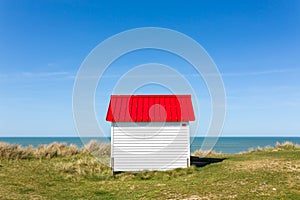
[228, 145]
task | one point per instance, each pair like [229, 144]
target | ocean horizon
[228, 145]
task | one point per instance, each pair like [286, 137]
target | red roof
[150, 108]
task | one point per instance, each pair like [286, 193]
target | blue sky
[255, 45]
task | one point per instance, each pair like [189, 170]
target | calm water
[225, 144]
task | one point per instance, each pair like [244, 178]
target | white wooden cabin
[150, 132]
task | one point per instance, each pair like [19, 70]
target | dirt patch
[210, 196]
[271, 165]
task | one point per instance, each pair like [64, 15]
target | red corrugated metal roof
[150, 108]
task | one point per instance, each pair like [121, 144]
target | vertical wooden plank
[123, 108]
[130, 109]
[157, 109]
[151, 108]
[145, 109]
[140, 109]
[173, 109]
[177, 110]
[168, 108]
[114, 104]
[134, 108]
[190, 109]
[182, 109]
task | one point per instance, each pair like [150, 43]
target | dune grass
[265, 173]
[14, 151]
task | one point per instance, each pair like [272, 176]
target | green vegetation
[65, 172]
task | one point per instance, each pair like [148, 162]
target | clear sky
[255, 44]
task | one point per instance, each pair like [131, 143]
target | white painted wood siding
[150, 147]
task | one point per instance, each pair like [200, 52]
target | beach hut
[150, 132]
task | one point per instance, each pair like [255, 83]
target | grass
[8, 151]
[265, 173]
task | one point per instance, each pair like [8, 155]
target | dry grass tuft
[13, 151]
[56, 150]
[8, 151]
[287, 145]
[276, 165]
[201, 153]
[85, 166]
[97, 149]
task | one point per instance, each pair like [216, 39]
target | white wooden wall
[150, 147]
